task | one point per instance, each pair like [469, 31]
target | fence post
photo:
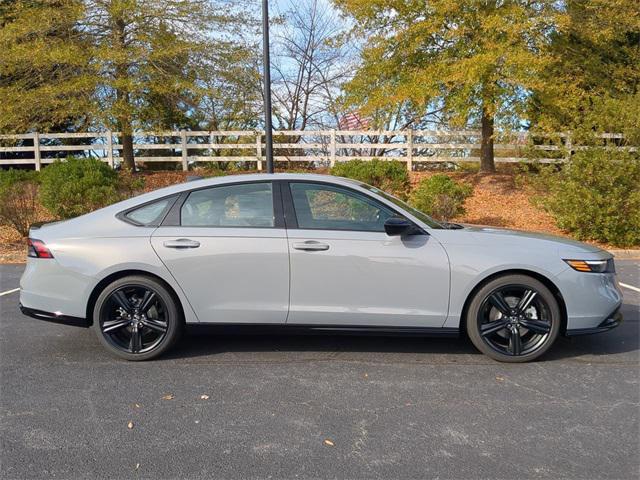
[259, 149]
[332, 148]
[569, 147]
[110, 148]
[36, 149]
[211, 142]
[183, 146]
[409, 141]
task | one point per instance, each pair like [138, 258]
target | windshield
[405, 206]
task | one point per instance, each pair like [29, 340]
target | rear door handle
[181, 243]
[311, 246]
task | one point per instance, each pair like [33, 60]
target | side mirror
[399, 226]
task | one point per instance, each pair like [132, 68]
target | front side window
[416, 213]
[327, 207]
[244, 205]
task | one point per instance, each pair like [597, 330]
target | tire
[510, 325]
[137, 318]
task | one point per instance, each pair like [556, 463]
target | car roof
[250, 177]
[228, 179]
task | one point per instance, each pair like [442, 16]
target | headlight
[593, 266]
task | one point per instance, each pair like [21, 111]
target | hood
[502, 237]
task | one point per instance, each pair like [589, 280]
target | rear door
[346, 271]
[227, 248]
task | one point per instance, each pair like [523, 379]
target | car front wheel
[513, 318]
[136, 318]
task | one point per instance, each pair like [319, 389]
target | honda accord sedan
[310, 253]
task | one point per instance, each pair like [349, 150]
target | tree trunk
[123, 100]
[487, 163]
[127, 151]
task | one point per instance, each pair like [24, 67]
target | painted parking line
[2, 294]
[630, 287]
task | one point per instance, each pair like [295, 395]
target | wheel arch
[547, 282]
[95, 293]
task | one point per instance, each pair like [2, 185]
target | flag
[353, 121]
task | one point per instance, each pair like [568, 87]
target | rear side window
[244, 205]
[150, 214]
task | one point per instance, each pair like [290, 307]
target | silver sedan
[309, 252]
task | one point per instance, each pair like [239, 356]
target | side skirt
[261, 329]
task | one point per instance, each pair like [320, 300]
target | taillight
[37, 249]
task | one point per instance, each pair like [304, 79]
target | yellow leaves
[450, 53]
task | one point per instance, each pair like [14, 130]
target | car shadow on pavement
[203, 341]
[209, 342]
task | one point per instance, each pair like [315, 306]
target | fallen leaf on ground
[329, 442]
[499, 378]
[137, 405]
[137, 466]
[130, 425]
[204, 397]
[167, 397]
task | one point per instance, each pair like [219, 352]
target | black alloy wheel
[136, 318]
[514, 318]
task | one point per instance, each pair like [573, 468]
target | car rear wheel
[136, 318]
[513, 318]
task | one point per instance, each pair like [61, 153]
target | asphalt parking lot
[316, 407]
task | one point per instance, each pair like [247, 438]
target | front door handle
[182, 243]
[311, 246]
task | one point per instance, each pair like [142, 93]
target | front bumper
[612, 321]
[55, 317]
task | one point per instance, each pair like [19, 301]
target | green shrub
[129, 184]
[12, 176]
[388, 175]
[440, 196]
[596, 196]
[19, 199]
[77, 186]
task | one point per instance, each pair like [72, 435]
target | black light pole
[266, 62]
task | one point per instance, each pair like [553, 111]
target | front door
[229, 255]
[346, 271]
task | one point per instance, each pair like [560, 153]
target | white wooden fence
[320, 146]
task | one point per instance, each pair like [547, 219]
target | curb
[625, 254]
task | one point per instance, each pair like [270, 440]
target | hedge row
[596, 196]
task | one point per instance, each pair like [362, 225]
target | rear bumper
[55, 318]
[611, 321]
